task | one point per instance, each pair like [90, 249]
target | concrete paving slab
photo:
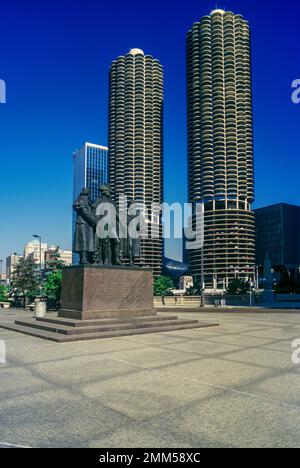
[230, 386]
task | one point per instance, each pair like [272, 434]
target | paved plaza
[229, 386]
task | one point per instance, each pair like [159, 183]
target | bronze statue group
[108, 248]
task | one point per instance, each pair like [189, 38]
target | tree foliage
[194, 290]
[55, 263]
[52, 286]
[237, 286]
[24, 280]
[4, 293]
[163, 286]
[53, 278]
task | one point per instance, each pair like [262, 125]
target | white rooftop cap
[136, 51]
[218, 11]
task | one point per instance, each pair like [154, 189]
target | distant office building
[136, 139]
[11, 263]
[90, 170]
[220, 145]
[65, 256]
[278, 234]
[186, 282]
[35, 252]
[2, 274]
[3, 278]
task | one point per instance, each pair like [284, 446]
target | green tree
[52, 286]
[194, 290]
[55, 263]
[163, 286]
[237, 286]
[53, 278]
[24, 280]
[4, 293]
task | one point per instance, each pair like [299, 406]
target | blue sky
[55, 57]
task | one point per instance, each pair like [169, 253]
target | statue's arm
[88, 216]
[84, 210]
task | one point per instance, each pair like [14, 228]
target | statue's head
[105, 190]
[85, 192]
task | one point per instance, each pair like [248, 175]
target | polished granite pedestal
[92, 292]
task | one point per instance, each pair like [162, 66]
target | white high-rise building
[65, 255]
[11, 263]
[36, 252]
[136, 139]
[220, 145]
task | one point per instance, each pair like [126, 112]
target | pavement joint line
[168, 347]
[14, 445]
[205, 382]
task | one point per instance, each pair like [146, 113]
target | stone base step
[100, 327]
[143, 328]
[104, 314]
[88, 323]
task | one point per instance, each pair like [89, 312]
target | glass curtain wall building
[278, 234]
[220, 145]
[90, 170]
[136, 140]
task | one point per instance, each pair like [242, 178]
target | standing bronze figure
[131, 245]
[84, 241]
[108, 247]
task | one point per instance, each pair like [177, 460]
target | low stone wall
[176, 300]
[209, 300]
